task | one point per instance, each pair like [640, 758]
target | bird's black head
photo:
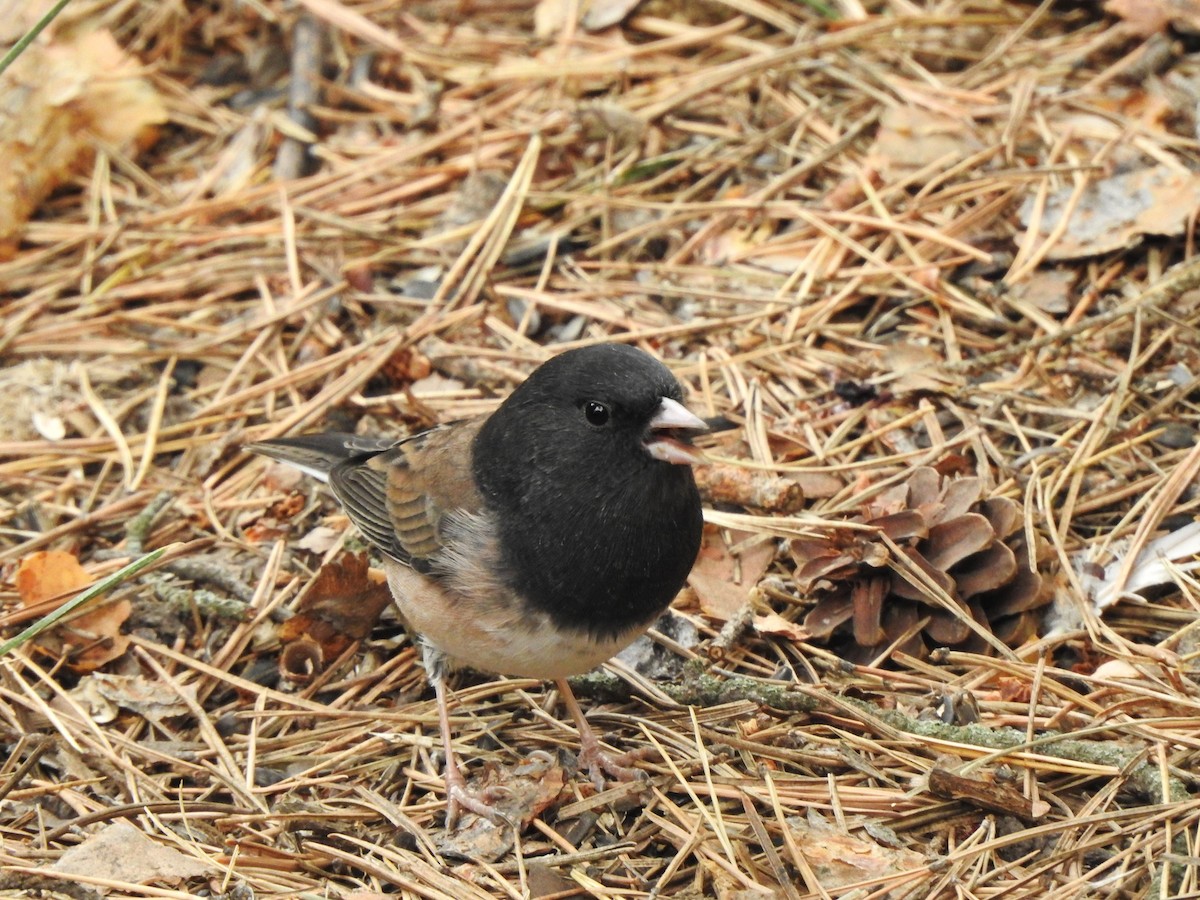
[585, 465]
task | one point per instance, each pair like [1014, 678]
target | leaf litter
[872, 240]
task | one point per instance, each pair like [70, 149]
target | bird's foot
[460, 798]
[598, 761]
[616, 766]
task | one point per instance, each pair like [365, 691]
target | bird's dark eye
[595, 412]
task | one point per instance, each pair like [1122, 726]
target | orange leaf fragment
[47, 574]
[90, 639]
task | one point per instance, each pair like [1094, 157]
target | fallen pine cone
[937, 559]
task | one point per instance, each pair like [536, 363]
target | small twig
[206, 602]
[1144, 778]
[138, 528]
[211, 571]
[733, 630]
[1176, 281]
[161, 808]
[40, 743]
[698, 688]
[304, 93]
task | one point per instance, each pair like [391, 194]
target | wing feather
[396, 491]
[399, 497]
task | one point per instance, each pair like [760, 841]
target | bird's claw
[616, 766]
[460, 798]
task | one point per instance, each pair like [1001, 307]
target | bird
[536, 541]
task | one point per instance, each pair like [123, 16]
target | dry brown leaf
[340, 606]
[599, 121]
[718, 599]
[522, 793]
[723, 581]
[56, 103]
[1046, 289]
[1147, 17]
[916, 368]
[408, 364]
[47, 579]
[120, 852]
[94, 638]
[1153, 109]
[264, 532]
[818, 485]
[280, 478]
[1014, 690]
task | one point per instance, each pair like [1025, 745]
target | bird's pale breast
[492, 632]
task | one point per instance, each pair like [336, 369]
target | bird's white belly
[498, 637]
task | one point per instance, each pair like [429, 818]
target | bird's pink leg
[592, 756]
[458, 797]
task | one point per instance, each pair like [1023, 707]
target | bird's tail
[317, 454]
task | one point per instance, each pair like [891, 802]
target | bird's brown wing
[398, 497]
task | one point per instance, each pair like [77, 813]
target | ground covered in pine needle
[927, 267]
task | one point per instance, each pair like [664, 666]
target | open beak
[669, 434]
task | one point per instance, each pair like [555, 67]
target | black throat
[601, 542]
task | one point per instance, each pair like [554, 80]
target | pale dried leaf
[723, 580]
[51, 427]
[839, 858]
[1046, 289]
[320, 540]
[775, 625]
[1153, 566]
[911, 138]
[1116, 212]
[120, 852]
[154, 700]
[914, 368]
[602, 14]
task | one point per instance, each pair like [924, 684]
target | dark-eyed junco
[537, 541]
